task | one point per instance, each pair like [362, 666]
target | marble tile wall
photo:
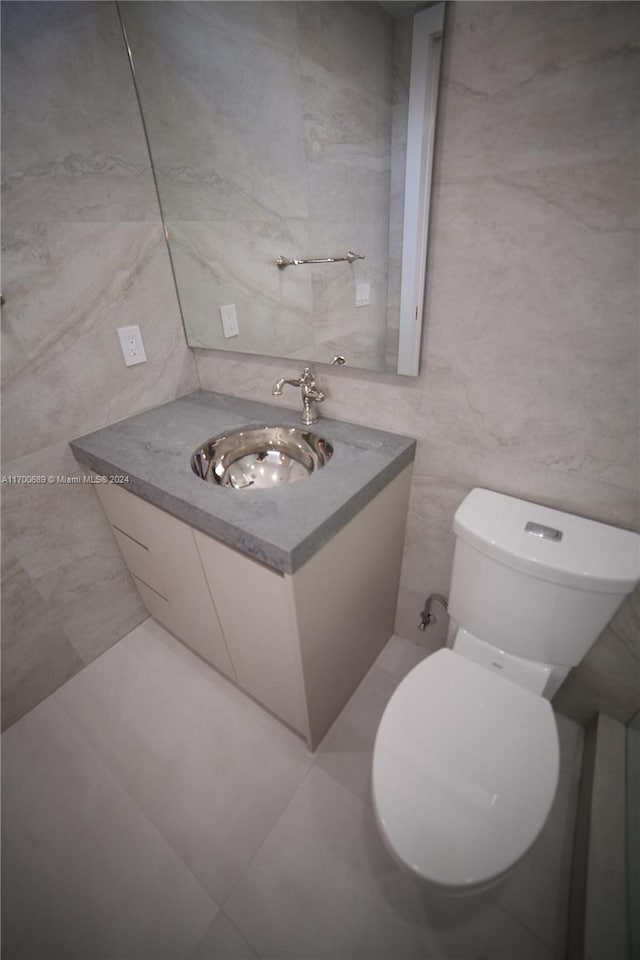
[291, 157]
[530, 366]
[83, 253]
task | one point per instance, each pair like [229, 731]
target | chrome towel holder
[283, 262]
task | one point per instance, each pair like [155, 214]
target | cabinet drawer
[139, 560]
[156, 605]
[128, 513]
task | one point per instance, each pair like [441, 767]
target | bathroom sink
[261, 457]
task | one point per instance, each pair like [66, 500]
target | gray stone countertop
[281, 527]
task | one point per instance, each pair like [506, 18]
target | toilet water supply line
[427, 616]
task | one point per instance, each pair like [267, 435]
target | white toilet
[466, 758]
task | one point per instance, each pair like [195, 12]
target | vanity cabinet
[297, 643]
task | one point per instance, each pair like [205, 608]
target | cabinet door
[256, 612]
[161, 554]
[345, 598]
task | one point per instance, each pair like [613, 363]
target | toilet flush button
[546, 533]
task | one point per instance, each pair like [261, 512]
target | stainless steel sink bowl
[261, 457]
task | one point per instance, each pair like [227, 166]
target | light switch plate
[229, 319]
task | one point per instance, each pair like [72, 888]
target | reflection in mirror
[279, 129]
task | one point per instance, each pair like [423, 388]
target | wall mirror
[299, 131]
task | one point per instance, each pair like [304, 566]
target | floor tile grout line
[157, 828]
[150, 822]
[235, 927]
[278, 816]
[112, 773]
[313, 765]
[523, 923]
[367, 804]
[266, 837]
[549, 947]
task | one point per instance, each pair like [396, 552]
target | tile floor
[151, 811]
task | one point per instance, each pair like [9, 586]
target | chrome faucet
[310, 393]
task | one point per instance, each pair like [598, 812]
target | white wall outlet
[229, 319]
[131, 345]
[363, 294]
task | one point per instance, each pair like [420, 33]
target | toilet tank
[536, 582]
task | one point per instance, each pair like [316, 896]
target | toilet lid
[465, 769]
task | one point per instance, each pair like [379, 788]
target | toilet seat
[465, 769]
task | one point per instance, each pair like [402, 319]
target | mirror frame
[421, 129]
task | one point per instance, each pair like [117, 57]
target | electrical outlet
[131, 345]
[363, 294]
[229, 319]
